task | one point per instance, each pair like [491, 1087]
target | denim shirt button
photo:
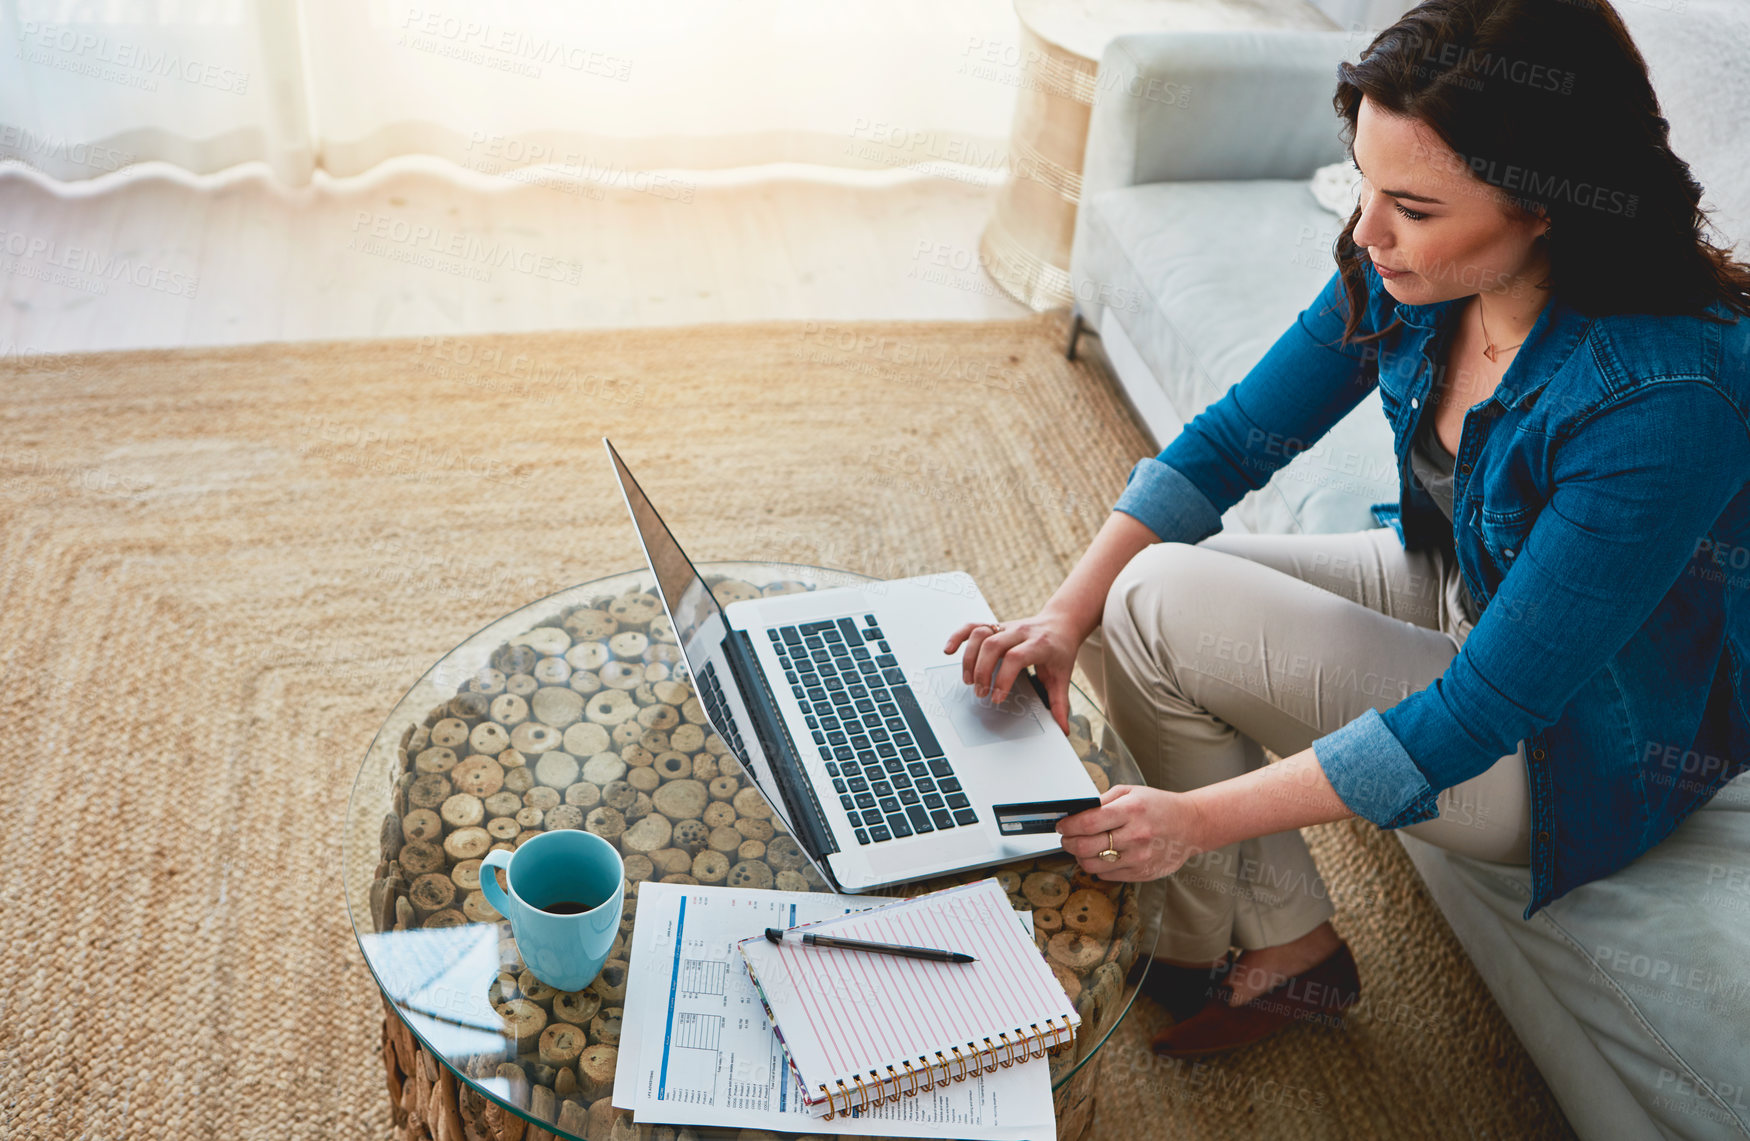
[1414, 403]
[1543, 837]
[1537, 754]
[1465, 469]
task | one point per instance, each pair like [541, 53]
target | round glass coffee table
[568, 713]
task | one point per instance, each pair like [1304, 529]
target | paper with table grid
[696, 1047]
[859, 1026]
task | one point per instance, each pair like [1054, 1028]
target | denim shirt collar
[1555, 334]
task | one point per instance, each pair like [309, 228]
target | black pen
[812, 940]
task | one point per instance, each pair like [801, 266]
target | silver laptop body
[888, 775]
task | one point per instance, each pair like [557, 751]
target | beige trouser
[1208, 651]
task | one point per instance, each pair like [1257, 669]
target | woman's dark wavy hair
[1549, 100]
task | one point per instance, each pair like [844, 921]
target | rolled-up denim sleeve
[1372, 772]
[1303, 385]
[1637, 490]
[1171, 505]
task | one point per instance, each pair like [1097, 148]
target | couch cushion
[1651, 965]
[1695, 53]
[1215, 271]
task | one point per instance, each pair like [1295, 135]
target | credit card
[1039, 815]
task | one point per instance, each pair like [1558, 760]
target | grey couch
[1197, 242]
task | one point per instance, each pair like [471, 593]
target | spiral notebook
[860, 1028]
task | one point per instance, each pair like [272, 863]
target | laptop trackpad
[975, 720]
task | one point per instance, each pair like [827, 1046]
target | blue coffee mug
[565, 951]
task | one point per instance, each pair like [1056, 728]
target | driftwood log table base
[589, 721]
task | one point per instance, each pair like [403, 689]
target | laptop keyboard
[711, 695]
[885, 763]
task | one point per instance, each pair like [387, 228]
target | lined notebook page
[842, 1013]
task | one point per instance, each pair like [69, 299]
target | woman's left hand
[1154, 832]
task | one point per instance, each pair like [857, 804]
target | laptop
[855, 726]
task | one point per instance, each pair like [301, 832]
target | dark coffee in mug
[569, 906]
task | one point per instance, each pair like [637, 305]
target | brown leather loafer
[1318, 995]
[1182, 991]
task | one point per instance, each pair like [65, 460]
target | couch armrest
[1199, 106]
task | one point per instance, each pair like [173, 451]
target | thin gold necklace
[1489, 350]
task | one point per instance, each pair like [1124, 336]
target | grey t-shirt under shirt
[1432, 464]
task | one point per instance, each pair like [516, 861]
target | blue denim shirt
[1601, 521]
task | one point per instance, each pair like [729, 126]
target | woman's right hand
[1048, 641]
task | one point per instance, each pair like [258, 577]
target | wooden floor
[421, 248]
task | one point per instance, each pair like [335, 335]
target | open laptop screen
[690, 602]
[700, 623]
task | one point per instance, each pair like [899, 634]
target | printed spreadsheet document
[696, 1047]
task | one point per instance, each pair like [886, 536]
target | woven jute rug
[220, 568]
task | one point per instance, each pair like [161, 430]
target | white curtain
[608, 90]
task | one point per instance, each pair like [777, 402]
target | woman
[1502, 671]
